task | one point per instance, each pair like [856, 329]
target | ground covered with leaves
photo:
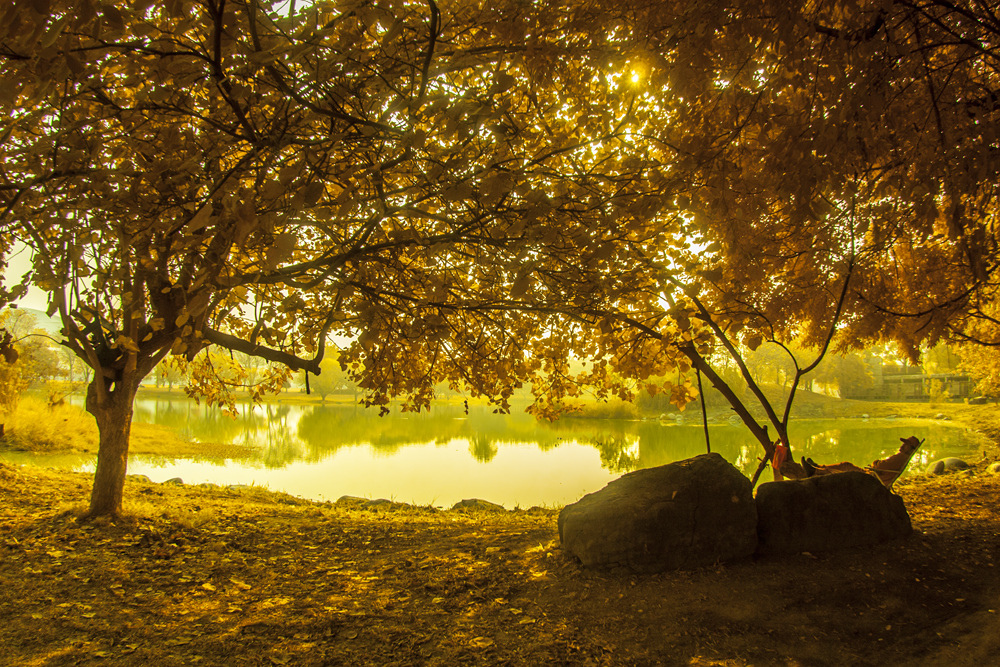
[246, 577]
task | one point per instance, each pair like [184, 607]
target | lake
[323, 452]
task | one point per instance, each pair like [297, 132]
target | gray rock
[686, 514]
[945, 466]
[351, 501]
[175, 481]
[978, 400]
[993, 468]
[941, 416]
[478, 505]
[140, 478]
[827, 513]
[238, 487]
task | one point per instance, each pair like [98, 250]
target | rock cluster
[701, 511]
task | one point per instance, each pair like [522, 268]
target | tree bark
[114, 424]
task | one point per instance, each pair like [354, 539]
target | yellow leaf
[284, 245]
[200, 219]
[312, 192]
[126, 343]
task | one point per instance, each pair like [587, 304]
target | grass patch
[146, 511]
[36, 426]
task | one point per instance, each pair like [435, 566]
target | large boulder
[826, 513]
[682, 515]
[947, 466]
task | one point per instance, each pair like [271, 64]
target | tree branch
[270, 354]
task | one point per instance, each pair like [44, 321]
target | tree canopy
[480, 193]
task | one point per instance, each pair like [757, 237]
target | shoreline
[161, 442]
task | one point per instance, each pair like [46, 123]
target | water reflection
[618, 454]
[324, 451]
[283, 433]
[826, 441]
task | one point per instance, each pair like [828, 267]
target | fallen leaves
[264, 582]
[243, 586]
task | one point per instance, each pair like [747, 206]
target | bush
[37, 426]
[12, 386]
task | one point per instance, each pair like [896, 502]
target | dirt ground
[216, 577]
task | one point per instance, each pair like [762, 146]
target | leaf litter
[210, 576]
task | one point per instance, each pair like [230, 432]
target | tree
[12, 382]
[72, 365]
[331, 378]
[212, 173]
[841, 170]
[848, 374]
[770, 363]
[982, 363]
[480, 193]
[37, 361]
[168, 372]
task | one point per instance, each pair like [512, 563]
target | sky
[19, 262]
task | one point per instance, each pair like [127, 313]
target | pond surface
[325, 451]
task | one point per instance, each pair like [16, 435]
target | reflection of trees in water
[281, 433]
[483, 449]
[864, 442]
[200, 422]
[822, 443]
[174, 414]
[618, 454]
[325, 429]
[648, 444]
[829, 440]
[277, 439]
[266, 428]
[748, 458]
[214, 426]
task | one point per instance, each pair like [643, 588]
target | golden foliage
[478, 193]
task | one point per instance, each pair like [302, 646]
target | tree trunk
[114, 424]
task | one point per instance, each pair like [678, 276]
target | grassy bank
[37, 426]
